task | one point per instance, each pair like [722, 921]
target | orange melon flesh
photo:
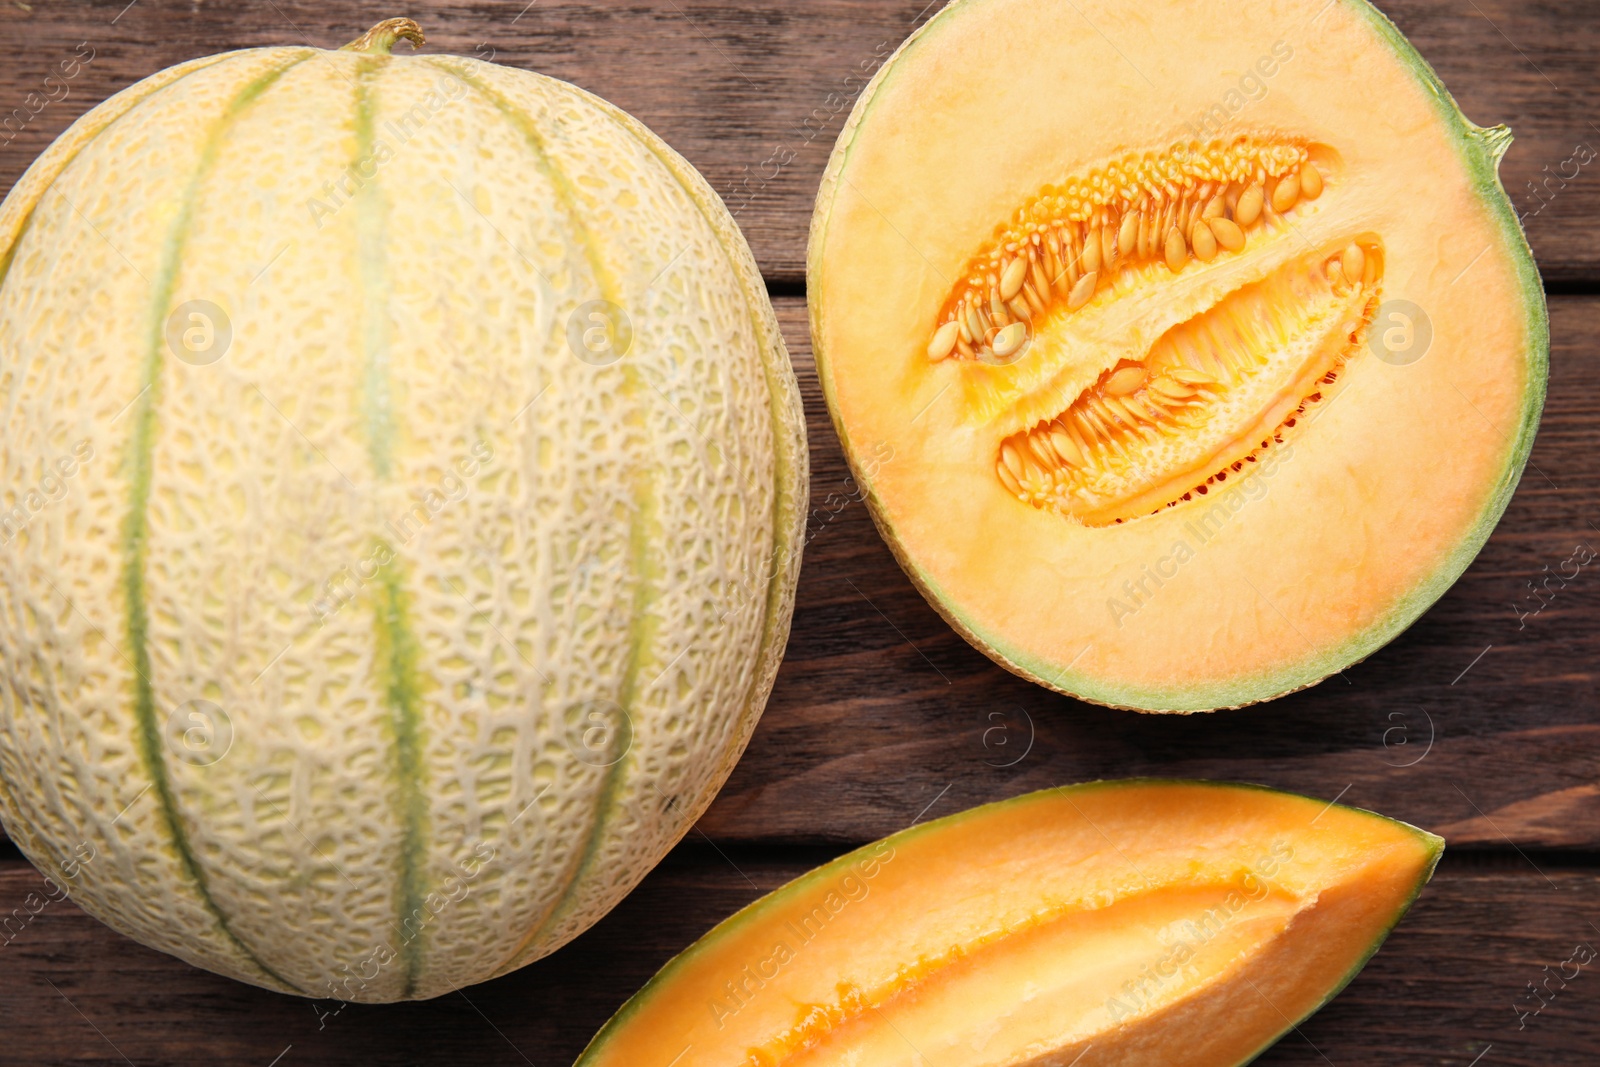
[1304, 557]
[1130, 922]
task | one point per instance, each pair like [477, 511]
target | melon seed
[1009, 339]
[1204, 241]
[1286, 194]
[1040, 279]
[1148, 406]
[1008, 479]
[1310, 181]
[1091, 253]
[1082, 291]
[1125, 381]
[1171, 389]
[944, 340]
[1190, 376]
[1034, 300]
[1064, 446]
[1129, 233]
[1011, 281]
[1227, 232]
[1249, 206]
[1121, 411]
[1353, 261]
[1043, 451]
[975, 325]
[1009, 460]
[1177, 252]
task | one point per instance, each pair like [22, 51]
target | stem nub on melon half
[1136, 922]
[1187, 351]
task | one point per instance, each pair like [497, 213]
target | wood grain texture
[754, 94]
[1446, 986]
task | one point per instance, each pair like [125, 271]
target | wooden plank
[1446, 987]
[754, 95]
[881, 709]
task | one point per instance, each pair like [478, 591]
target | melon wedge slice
[1187, 350]
[1138, 922]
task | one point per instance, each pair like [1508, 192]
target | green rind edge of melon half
[757, 908]
[1480, 150]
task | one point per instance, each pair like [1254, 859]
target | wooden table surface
[1476, 723]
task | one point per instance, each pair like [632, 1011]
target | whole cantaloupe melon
[405, 493]
[1202, 334]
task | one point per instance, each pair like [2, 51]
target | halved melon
[1188, 924]
[1201, 336]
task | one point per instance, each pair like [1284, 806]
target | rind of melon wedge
[1125, 922]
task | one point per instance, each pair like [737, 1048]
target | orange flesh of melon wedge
[1129, 922]
[1238, 540]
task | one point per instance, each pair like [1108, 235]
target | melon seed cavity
[1213, 392]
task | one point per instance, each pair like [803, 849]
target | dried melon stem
[380, 40]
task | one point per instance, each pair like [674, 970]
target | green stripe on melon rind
[1480, 150]
[37, 181]
[754, 911]
[397, 654]
[642, 524]
[786, 415]
[136, 528]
